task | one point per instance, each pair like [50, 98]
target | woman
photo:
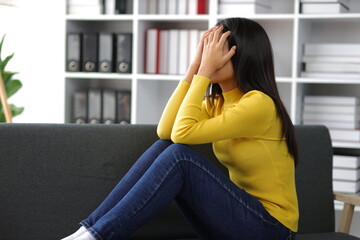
[252, 136]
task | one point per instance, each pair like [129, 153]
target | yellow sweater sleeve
[250, 117]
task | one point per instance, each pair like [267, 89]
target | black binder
[80, 107]
[123, 107]
[94, 105]
[123, 52]
[109, 106]
[73, 52]
[120, 6]
[90, 50]
[105, 52]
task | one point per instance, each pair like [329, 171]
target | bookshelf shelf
[118, 17]
[343, 16]
[348, 145]
[179, 18]
[271, 16]
[159, 77]
[99, 76]
[284, 80]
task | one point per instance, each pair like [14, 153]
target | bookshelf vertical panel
[285, 94]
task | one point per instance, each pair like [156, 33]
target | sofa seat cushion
[326, 236]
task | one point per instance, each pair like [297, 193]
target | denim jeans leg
[128, 181]
[192, 219]
[220, 207]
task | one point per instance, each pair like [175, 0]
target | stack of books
[96, 7]
[96, 105]
[170, 51]
[346, 174]
[244, 7]
[324, 6]
[190, 7]
[324, 60]
[339, 113]
[99, 52]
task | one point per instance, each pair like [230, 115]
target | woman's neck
[227, 86]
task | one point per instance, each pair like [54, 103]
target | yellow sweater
[246, 136]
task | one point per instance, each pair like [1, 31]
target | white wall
[35, 33]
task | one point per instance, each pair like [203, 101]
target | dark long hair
[254, 70]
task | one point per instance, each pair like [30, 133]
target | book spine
[182, 7]
[151, 51]
[346, 186]
[332, 75]
[192, 7]
[319, 108]
[164, 48]
[342, 161]
[318, 8]
[345, 135]
[332, 49]
[328, 124]
[331, 59]
[173, 52]
[183, 53]
[332, 67]
[330, 117]
[346, 174]
[331, 100]
[172, 7]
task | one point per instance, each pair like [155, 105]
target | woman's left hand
[213, 57]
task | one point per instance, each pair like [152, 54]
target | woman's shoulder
[257, 96]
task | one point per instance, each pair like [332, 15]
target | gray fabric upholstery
[314, 180]
[53, 175]
[326, 236]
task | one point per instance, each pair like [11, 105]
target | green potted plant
[11, 85]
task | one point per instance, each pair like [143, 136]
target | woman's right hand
[195, 64]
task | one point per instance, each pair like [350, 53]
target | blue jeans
[213, 205]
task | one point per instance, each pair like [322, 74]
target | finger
[217, 34]
[207, 32]
[206, 40]
[211, 36]
[229, 54]
[223, 38]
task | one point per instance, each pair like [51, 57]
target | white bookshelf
[287, 28]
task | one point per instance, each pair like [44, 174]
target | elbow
[177, 137]
[163, 134]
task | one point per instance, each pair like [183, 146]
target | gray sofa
[53, 175]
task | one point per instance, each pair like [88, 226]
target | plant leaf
[14, 111]
[7, 76]
[3, 63]
[12, 87]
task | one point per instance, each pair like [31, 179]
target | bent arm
[250, 117]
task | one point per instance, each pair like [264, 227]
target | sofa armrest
[350, 201]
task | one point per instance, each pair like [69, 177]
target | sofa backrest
[53, 175]
[314, 180]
